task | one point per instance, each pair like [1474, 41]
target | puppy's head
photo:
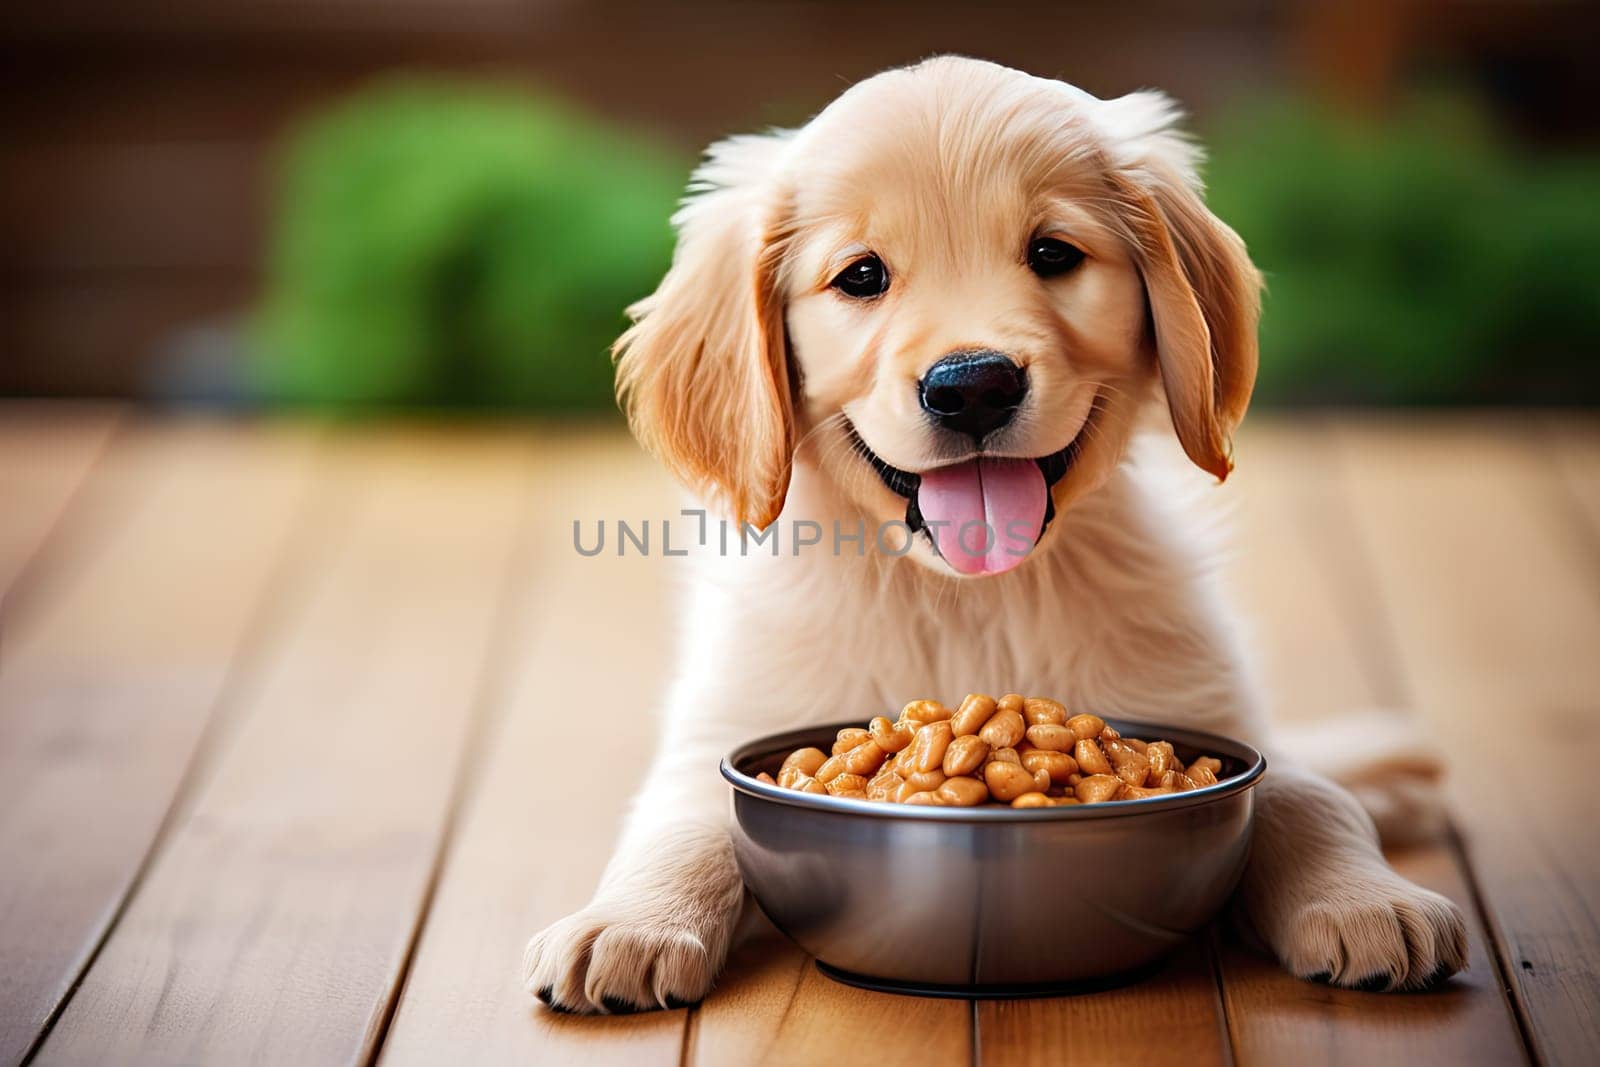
[951, 292]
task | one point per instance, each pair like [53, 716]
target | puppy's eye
[1048, 257]
[863, 279]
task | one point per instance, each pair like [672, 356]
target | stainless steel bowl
[991, 901]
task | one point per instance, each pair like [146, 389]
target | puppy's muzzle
[973, 392]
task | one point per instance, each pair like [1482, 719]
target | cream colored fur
[740, 373]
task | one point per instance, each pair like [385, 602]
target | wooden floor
[285, 769]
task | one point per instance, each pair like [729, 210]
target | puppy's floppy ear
[1204, 293]
[703, 372]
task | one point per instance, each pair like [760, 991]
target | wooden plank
[46, 450]
[1303, 577]
[772, 1005]
[1572, 444]
[109, 673]
[593, 636]
[1305, 592]
[1173, 1017]
[1497, 621]
[1180, 1000]
[274, 924]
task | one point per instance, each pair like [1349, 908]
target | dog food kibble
[1028, 752]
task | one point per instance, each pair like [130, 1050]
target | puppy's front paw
[613, 958]
[1372, 932]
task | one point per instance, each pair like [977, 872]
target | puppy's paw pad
[607, 960]
[1373, 983]
[1381, 935]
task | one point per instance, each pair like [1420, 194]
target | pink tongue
[1007, 494]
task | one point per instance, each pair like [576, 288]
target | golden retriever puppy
[938, 310]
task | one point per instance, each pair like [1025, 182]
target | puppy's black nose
[973, 392]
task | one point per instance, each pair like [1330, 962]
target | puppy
[939, 309]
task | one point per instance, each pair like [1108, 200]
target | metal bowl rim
[1256, 765]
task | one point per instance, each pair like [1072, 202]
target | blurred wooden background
[137, 137]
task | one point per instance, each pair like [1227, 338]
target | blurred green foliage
[1420, 260]
[448, 244]
[442, 244]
